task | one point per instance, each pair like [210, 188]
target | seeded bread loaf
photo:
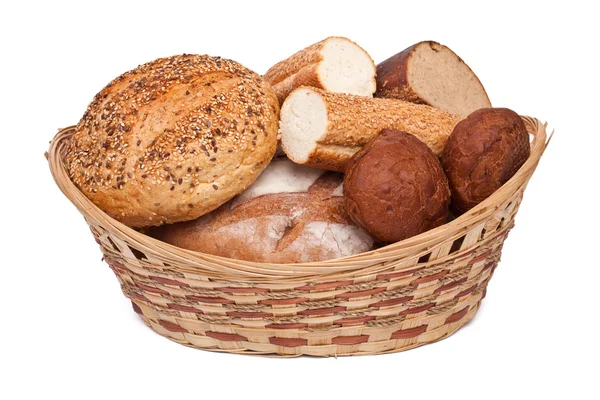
[336, 64]
[431, 73]
[174, 139]
[290, 214]
[324, 129]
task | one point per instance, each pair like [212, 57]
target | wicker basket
[395, 298]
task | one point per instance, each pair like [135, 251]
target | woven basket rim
[197, 262]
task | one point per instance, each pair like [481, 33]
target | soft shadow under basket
[395, 298]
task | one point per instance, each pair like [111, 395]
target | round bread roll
[483, 152]
[174, 139]
[395, 187]
[290, 214]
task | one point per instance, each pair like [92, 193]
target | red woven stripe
[450, 285]
[167, 281]
[350, 339]
[288, 342]
[151, 289]
[392, 302]
[415, 310]
[226, 337]
[457, 316]
[465, 292]
[326, 285]
[138, 296]
[242, 290]
[181, 307]
[248, 314]
[429, 278]
[286, 326]
[171, 326]
[280, 302]
[481, 257]
[136, 308]
[398, 274]
[120, 266]
[349, 295]
[209, 299]
[488, 266]
[409, 333]
[322, 311]
[116, 264]
[354, 320]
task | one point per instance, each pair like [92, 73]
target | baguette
[324, 130]
[431, 73]
[336, 64]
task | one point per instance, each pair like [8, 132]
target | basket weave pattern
[401, 296]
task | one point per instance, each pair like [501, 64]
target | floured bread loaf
[335, 64]
[290, 214]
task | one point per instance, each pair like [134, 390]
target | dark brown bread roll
[174, 139]
[395, 187]
[484, 151]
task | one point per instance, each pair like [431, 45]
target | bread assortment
[174, 139]
[484, 151]
[431, 73]
[185, 146]
[290, 214]
[395, 187]
[324, 129]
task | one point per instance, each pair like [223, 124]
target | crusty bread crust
[304, 222]
[306, 76]
[174, 139]
[392, 79]
[354, 120]
[300, 69]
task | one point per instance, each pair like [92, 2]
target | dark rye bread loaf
[290, 214]
[483, 152]
[431, 73]
[395, 187]
[174, 139]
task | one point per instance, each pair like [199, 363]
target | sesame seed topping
[119, 140]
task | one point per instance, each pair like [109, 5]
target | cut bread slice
[431, 73]
[324, 129]
[336, 64]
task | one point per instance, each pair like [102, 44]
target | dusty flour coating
[332, 240]
[339, 191]
[318, 240]
[281, 176]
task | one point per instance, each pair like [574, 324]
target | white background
[67, 332]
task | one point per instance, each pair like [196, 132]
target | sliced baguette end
[346, 68]
[303, 123]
